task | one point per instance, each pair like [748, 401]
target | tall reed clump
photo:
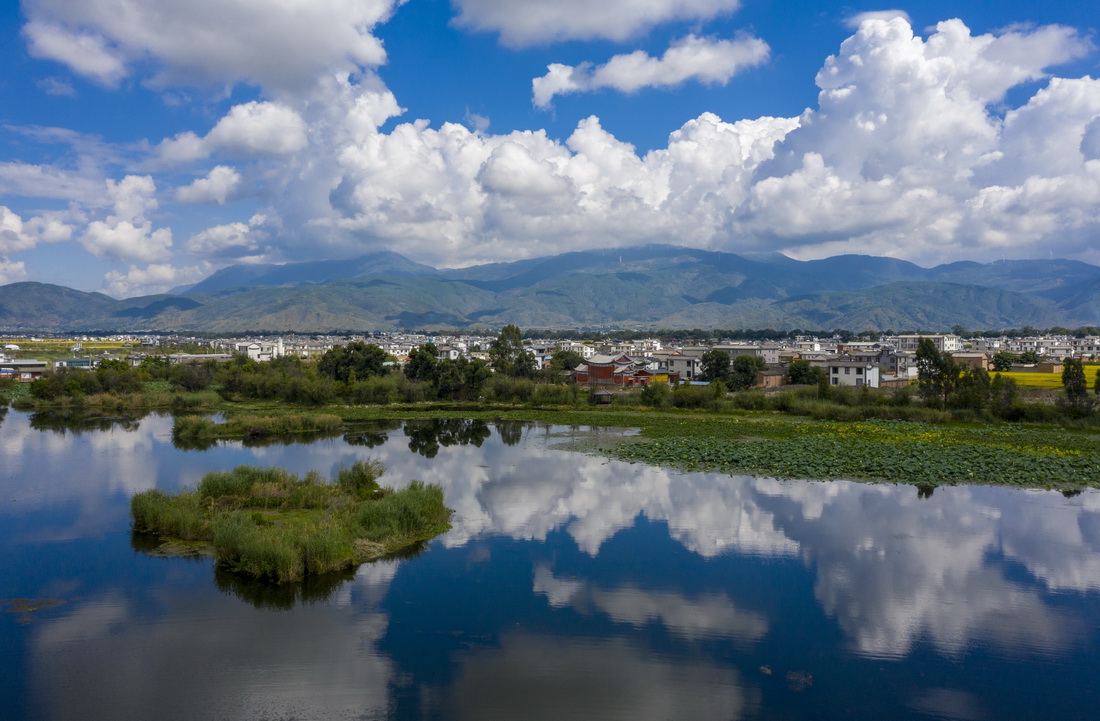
[176, 516]
[194, 428]
[417, 510]
[274, 525]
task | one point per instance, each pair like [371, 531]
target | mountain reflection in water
[570, 586]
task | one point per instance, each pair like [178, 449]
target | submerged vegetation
[272, 525]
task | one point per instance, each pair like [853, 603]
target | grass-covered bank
[921, 445]
[270, 524]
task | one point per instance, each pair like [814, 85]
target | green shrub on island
[272, 525]
[195, 428]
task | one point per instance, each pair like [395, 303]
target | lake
[571, 587]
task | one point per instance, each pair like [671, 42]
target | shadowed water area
[570, 586]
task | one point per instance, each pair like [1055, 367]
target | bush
[416, 507]
[361, 479]
[557, 395]
[752, 401]
[506, 389]
[377, 390]
[657, 395]
[239, 481]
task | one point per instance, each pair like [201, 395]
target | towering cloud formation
[909, 150]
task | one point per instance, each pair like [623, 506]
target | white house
[945, 343]
[261, 351]
[852, 373]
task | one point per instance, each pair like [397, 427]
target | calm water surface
[570, 587]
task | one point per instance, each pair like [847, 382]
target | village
[886, 362]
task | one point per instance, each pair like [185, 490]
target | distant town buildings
[889, 360]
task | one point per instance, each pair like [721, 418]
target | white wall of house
[852, 374]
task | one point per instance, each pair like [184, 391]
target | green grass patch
[188, 428]
[272, 525]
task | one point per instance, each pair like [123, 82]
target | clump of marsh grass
[196, 428]
[272, 525]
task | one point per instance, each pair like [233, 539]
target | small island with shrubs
[272, 525]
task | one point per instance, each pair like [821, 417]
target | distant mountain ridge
[654, 286]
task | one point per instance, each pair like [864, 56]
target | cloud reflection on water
[891, 568]
[207, 656]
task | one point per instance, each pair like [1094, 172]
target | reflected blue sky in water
[570, 586]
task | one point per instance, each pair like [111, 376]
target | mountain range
[650, 287]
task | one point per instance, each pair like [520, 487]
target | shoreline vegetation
[954, 425]
[271, 525]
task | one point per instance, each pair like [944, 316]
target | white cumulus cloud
[219, 185]
[18, 235]
[915, 148]
[907, 153]
[11, 271]
[278, 45]
[247, 130]
[232, 242]
[532, 22]
[704, 60]
[854, 21]
[154, 278]
[903, 146]
[127, 234]
[87, 54]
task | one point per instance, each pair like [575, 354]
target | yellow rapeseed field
[1039, 380]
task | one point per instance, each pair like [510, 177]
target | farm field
[1048, 380]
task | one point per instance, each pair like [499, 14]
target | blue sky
[144, 145]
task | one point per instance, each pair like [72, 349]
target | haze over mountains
[656, 286]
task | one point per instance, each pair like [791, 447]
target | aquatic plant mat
[1064, 457]
[898, 451]
[272, 525]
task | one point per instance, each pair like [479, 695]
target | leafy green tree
[1030, 357]
[973, 389]
[461, 379]
[113, 364]
[1004, 397]
[508, 356]
[355, 361]
[156, 366]
[744, 372]
[716, 366]
[423, 362]
[48, 387]
[1003, 360]
[1075, 387]
[937, 373]
[1096, 383]
[802, 372]
[192, 377]
[565, 360]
